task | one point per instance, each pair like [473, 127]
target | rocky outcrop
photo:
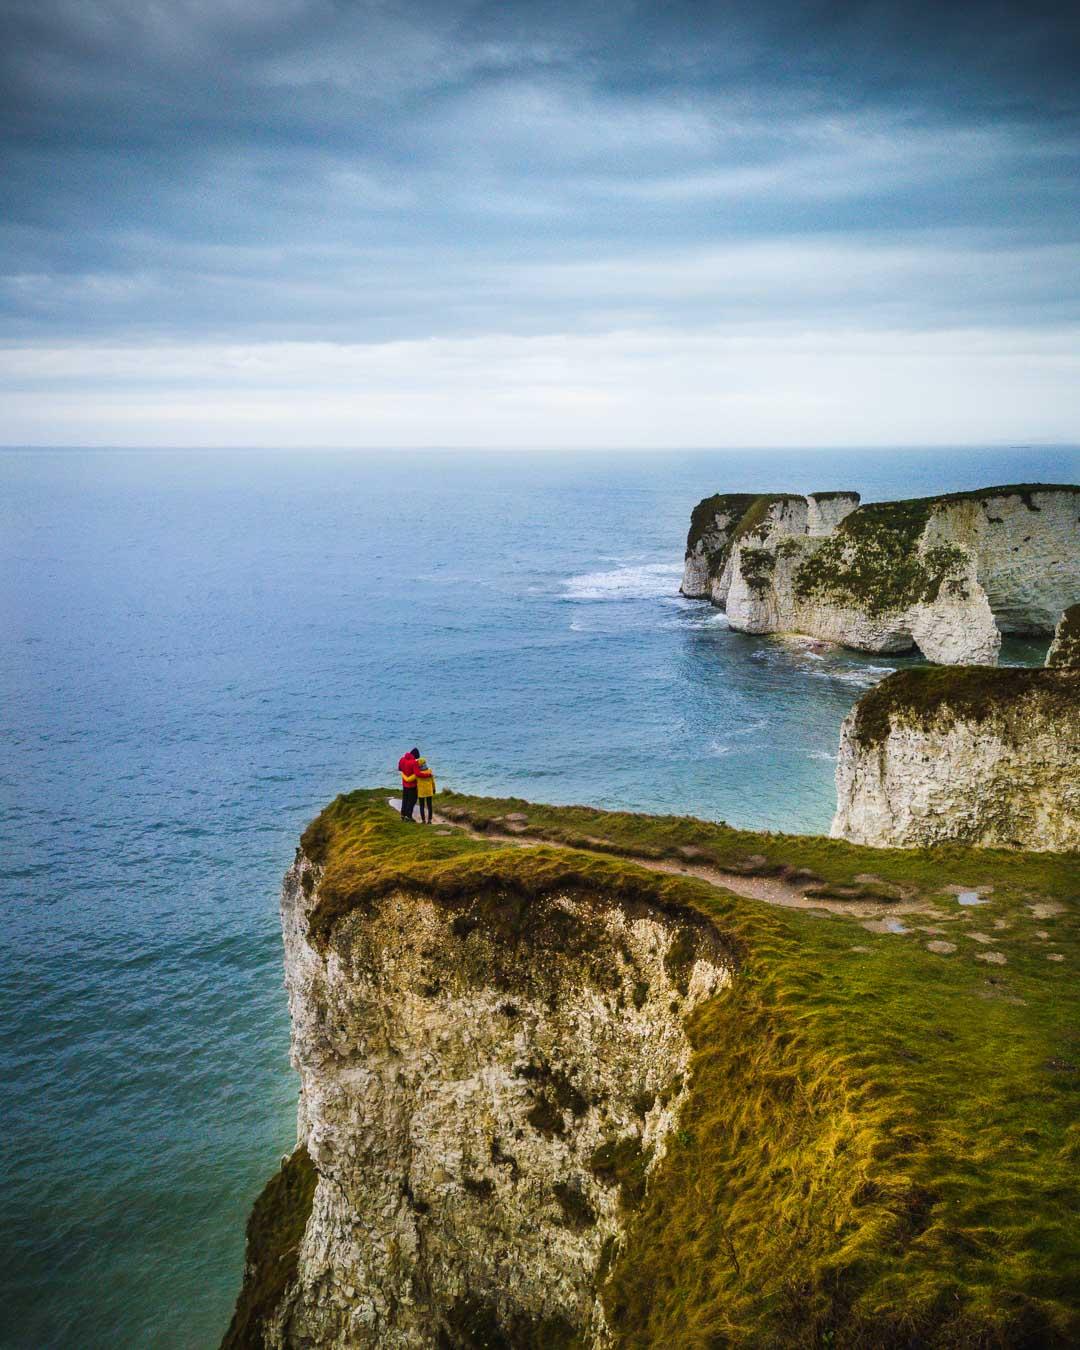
[825, 510]
[1065, 648]
[708, 544]
[947, 575]
[488, 1081]
[972, 756]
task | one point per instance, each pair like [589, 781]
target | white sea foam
[642, 581]
[750, 728]
[859, 677]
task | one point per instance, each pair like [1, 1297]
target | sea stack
[947, 575]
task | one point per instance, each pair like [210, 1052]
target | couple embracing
[417, 784]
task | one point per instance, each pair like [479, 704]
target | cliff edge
[973, 756]
[555, 1094]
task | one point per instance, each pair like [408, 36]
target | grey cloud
[366, 171]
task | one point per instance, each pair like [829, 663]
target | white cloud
[621, 389]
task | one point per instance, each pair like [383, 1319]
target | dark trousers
[408, 802]
[425, 808]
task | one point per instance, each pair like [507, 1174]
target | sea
[197, 652]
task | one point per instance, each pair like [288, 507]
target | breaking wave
[641, 581]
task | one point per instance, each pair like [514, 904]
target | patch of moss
[475, 1324]
[871, 560]
[923, 694]
[757, 566]
[556, 1083]
[623, 1163]
[679, 960]
[274, 1233]
[574, 1204]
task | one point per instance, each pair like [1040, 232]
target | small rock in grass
[941, 948]
[1046, 909]
[1042, 935]
[1054, 956]
[860, 949]
[994, 958]
[979, 937]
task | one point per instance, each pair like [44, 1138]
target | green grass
[963, 693]
[880, 1144]
[829, 862]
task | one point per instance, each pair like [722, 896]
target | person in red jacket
[407, 767]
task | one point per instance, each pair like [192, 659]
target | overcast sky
[529, 223]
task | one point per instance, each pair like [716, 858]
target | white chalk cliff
[486, 1087]
[971, 756]
[948, 575]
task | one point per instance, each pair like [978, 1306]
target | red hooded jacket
[407, 767]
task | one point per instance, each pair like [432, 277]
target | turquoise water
[198, 651]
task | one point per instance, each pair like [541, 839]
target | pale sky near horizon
[539, 224]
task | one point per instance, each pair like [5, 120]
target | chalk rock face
[948, 574]
[1065, 648]
[486, 1087]
[825, 510]
[970, 756]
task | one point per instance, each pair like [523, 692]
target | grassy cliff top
[880, 1147]
[703, 516]
[920, 695]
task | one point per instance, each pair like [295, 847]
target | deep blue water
[196, 653]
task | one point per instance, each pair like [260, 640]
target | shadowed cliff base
[877, 1145]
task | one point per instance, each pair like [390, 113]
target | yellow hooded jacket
[425, 781]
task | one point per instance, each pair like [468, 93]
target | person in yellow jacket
[425, 790]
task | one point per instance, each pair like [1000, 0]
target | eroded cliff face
[487, 1085]
[708, 544]
[948, 575]
[988, 758]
